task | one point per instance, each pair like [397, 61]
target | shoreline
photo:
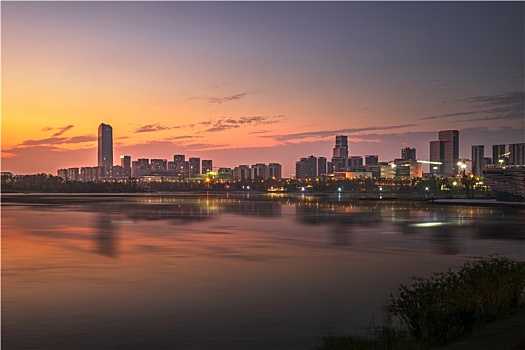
[255, 195]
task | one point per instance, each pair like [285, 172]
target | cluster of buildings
[502, 155]
[341, 165]
[161, 169]
[444, 161]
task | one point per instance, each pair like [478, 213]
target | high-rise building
[478, 159]
[105, 145]
[180, 165]
[498, 154]
[241, 173]
[207, 166]
[140, 167]
[355, 162]
[371, 159]
[158, 165]
[435, 157]
[445, 151]
[274, 171]
[517, 154]
[259, 171]
[408, 153]
[321, 165]
[340, 153]
[194, 166]
[306, 168]
[450, 156]
[125, 163]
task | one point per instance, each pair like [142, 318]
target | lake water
[217, 272]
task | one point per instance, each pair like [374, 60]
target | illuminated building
[125, 163]
[340, 153]
[158, 165]
[498, 154]
[408, 153]
[517, 154]
[207, 166]
[194, 167]
[275, 171]
[446, 151]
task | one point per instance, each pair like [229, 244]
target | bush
[442, 308]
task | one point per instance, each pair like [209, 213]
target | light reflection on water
[223, 273]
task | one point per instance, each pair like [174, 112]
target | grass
[440, 310]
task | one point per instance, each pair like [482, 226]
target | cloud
[185, 137]
[259, 132]
[62, 130]
[59, 140]
[224, 99]
[151, 128]
[496, 117]
[331, 133]
[227, 98]
[222, 124]
[81, 139]
[509, 106]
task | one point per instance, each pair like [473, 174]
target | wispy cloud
[226, 123]
[60, 131]
[63, 130]
[224, 99]
[151, 128]
[59, 140]
[331, 133]
[184, 137]
[222, 124]
[507, 106]
[227, 98]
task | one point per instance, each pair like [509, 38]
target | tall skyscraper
[340, 154]
[105, 145]
[408, 153]
[478, 159]
[446, 151]
[450, 156]
[517, 154]
[498, 152]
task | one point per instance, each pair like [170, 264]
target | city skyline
[243, 83]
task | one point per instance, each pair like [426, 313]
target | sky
[256, 82]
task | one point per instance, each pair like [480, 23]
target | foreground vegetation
[440, 310]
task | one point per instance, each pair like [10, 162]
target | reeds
[440, 309]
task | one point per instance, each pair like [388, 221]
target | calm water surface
[214, 272]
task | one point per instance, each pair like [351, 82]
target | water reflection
[106, 236]
[229, 273]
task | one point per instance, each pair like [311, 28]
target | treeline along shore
[428, 188]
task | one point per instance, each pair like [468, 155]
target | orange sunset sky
[245, 82]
